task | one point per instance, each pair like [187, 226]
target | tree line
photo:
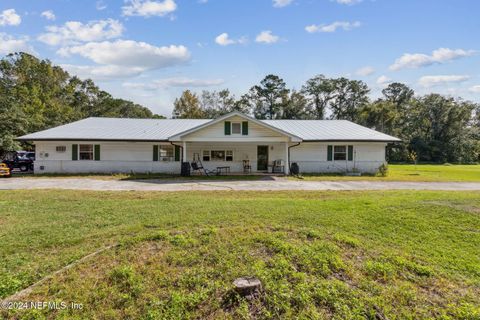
[36, 95]
[433, 127]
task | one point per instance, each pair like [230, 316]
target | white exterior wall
[114, 157]
[312, 157]
[138, 157]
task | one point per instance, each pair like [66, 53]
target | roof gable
[237, 116]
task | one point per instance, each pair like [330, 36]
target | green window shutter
[74, 152]
[228, 128]
[155, 153]
[350, 153]
[245, 128]
[97, 152]
[177, 153]
[329, 153]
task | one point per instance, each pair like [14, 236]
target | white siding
[312, 157]
[138, 157]
[115, 157]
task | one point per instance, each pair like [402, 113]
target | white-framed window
[228, 155]
[61, 149]
[236, 128]
[339, 153]
[206, 155]
[166, 153]
[85, 152]
[217, 155]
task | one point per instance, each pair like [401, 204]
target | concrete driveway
[271, 184]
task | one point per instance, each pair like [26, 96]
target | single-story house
[234, 141]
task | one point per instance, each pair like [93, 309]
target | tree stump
[248, 287]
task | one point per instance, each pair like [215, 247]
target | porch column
[287, 161]
[184, 152]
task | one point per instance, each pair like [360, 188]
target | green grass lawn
[319, 255]
[141, 176]
[410, 172]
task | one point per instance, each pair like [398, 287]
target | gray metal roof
[330, 130]
[117, 129]
[122, 129]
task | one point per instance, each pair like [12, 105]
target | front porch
[259, 156]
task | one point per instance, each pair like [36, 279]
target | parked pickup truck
[17, 160]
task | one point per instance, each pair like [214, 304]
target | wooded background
[37, 95]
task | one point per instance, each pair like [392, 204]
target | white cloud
[9, 18]
[225, 40]
[382, 80]
[349, 2]
[332, 27]
[365, 71]
[9, 44]
[281, 3]
[177, 82]
[74, 32]
[417, 60]
[102, 72]
[48, 14]
[475, 89]
[128, 53]
[267, 37]
[430, 81]
[148, 8]
[100, 5]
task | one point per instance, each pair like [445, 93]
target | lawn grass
[141, 176]
[331, 255]
[410, 172]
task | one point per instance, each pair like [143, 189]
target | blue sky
[149, 51]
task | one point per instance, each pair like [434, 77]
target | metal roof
[117, 129]
[330, 130]
[121, 129]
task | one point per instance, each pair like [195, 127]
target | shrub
[383, 170]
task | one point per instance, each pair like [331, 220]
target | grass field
[332, 255]
[421, 172]
[139, 176]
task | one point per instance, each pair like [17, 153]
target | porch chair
[278, 166]
[247, 168]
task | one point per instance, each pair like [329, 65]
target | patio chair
[247, 168]
[278, 166]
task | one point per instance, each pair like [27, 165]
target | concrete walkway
[271, 184]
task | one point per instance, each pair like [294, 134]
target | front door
[262, 158]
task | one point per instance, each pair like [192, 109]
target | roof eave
[91, 139]
[351, 140]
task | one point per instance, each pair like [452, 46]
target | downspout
[295, 145]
